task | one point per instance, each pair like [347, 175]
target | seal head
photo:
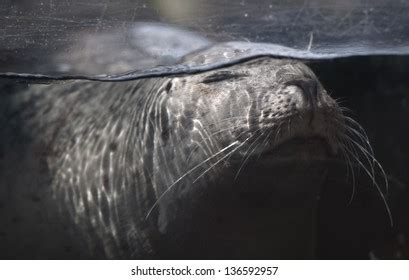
[247, 140]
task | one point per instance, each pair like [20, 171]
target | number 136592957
[250, 270]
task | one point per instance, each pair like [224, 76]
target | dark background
[375, 88]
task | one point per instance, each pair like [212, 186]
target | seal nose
[309, 89]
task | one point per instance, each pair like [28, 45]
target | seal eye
[168, 86]
[222, 76]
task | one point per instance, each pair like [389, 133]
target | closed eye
[222, 76]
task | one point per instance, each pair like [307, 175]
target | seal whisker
[370, 157]
[362, 137]
[187, 173]
[353, 145]
[344, 109]
[349, 166]
[349, 142]
[248, 153]
[351, 120]
[340, 100]
[358, 134]
[264, 143]
[231, 129]
[375, 184]
[362, 134]
[218, 161]
[367, 150]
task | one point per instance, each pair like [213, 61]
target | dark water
[375, 88]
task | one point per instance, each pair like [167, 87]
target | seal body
[224, 164]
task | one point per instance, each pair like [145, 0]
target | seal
[228, 163]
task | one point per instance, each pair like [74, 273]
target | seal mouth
[303, 148]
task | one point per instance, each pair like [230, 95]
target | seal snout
[304, 116]
[301, 99]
